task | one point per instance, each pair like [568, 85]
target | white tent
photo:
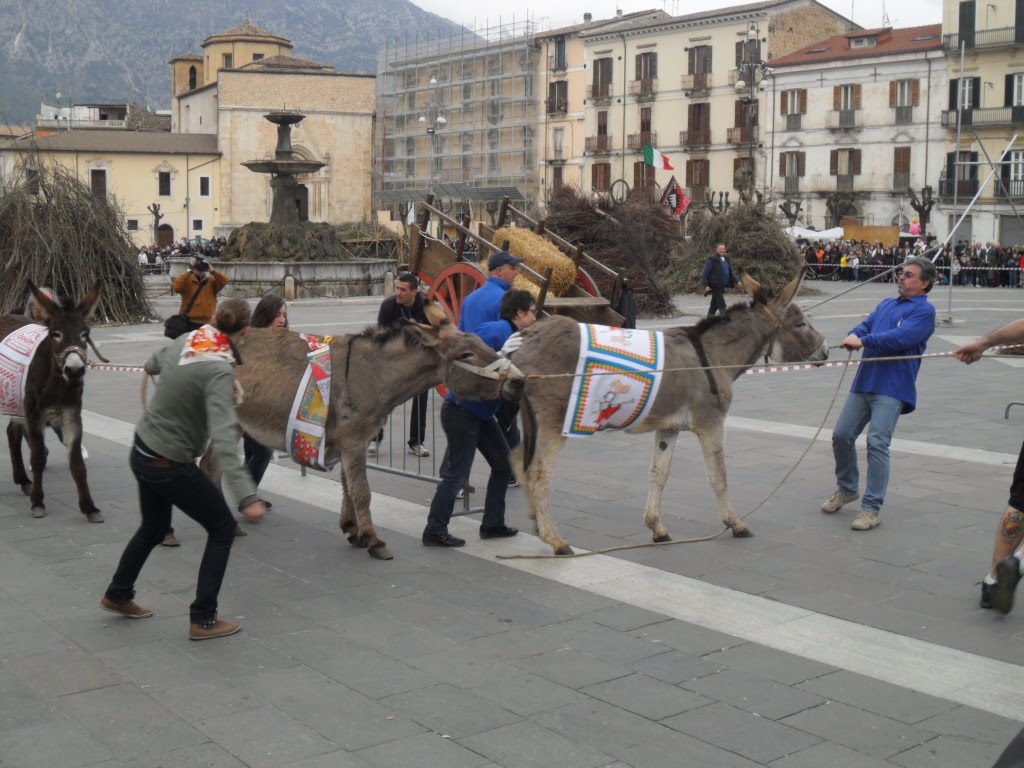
[825, 235]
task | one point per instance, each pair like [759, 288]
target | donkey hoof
[346, 525]
[742, 533]
[566, 550]
[353, 540]
[38, 512]
[94, 517]
[380, 552]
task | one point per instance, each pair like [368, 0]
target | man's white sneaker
[371, 448]
[838, 500]
[866, 520]
[419, 450]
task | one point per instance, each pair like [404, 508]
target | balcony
[599, 91]
[897, 182]
[791, 185]
[844, 119]
[79, 122]
[734, 75]
[826, 183]
[794, 122]
[643, 88]
[697, 194]
[557, 64]
[742, 135]
[694, 139]
[965, 189]
[558, 154]
[989, 116]
[700, 81]
[559, 107]
[637, 141]
[1010, 189]
[903, 115]
[986, 38]
[597, 145]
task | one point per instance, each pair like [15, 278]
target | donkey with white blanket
[715, 352]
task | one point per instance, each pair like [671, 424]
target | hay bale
[540, 255]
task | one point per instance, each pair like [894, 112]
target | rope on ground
[709, 537]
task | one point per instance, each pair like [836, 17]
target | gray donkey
[695, 400]
[372, 373]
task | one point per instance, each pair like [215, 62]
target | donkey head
[793, 339]
[472, 370]
[69, 331]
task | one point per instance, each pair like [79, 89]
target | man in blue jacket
[716, 276]
[881, 392]
[483, 304]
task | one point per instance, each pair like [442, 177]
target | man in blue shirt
[483, 304]
[881, 392]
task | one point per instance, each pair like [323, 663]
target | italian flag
[655, 158]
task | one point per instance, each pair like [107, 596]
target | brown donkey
[693, 400]
[372, 373]
[53, 394]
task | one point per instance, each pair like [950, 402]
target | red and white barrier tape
[117, 368]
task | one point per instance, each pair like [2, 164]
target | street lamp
[751, 75]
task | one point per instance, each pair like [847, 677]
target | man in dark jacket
[406, 304]
[716, 277]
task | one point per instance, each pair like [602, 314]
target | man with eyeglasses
[883, 391]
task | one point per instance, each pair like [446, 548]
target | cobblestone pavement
[807, 645]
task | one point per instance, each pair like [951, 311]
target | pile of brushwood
[55, 232]
[755, 241]
[637, 238]
[312, 241]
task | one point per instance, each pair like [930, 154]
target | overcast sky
[867, 13]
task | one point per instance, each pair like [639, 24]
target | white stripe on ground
[986, 684]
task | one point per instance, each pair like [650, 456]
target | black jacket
[391, 312]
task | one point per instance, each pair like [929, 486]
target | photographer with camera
[199, 286]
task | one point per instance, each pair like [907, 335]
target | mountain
[117, 51]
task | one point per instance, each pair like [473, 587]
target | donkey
[694, 400]
[53, 394]
[372, 373]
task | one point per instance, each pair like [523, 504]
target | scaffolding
[457, 116]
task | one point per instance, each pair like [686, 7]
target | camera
[201, 264]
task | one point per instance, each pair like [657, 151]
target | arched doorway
[302, 201]
[164, 235]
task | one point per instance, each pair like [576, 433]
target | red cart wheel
[586, 282]
[450, 289]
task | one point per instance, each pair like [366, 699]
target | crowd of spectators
[988, 265]
[154, 259]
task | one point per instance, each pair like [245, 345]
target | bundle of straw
[539, 254]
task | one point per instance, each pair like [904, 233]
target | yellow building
[195, 172]
[985, 110]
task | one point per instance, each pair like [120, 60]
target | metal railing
[700, 81]
[557, 63]
[794, 122]
[599, 91]
[987, 116]
[985, 38]
[698, 138]
[642, 139]
[827, 183]
[598, 143]
[742, 134]
[898, 182]
[647, 87]
[791, 184]
[903, 115]
[844, 118]
[965, 188]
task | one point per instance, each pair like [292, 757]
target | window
[1014, 91]
[846, 97]
[643, 175]
[601, 176]
[698, 60]
[467, 91]
[900, 168]
[164, 184]
[747, 50]
[602, 83]
[645, 120]
[602, 123]
[965, 94]
[697, 174]
[197, 225]
[1012, 172]
[192, 78]
[257, 56]
[844, 164]
[133, 225]
[699, 122]
[98, 182]
[558, 141]
[903, 97]
[204, 186]
[791, 168]
[560, 62]
[558, 97]
[556, 177]
[226, 61]
[793, 102]
[647, 66]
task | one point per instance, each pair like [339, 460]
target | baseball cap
[501, 258]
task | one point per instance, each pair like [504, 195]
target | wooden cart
[453, 273]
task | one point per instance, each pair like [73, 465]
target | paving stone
[337, 759]
[208, 755]
[859, 730]
[338, 713]
[52, 742]
[442, 618]
[602, 726]
[450, 711]
[948, 750]
[200, 700]
[399, 639]
[770, 664]
[829, 755]
[239, 656]
[571, 668]
[675, 666]
[678, 749]
[969, 723]
[55, 673]
[426, 749]
[528, 745]
[754, 694]
[646, 696]
[19, 704]
[742, 732]
[877, 696]
[265, 738]
[688, 638]
[526, 694]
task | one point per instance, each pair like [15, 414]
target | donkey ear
[438, 317]
[752, 287]
[88, 304]
[424, 334]
[789, 292]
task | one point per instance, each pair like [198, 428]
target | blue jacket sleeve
[863, 329]
[914, 331]
[705, 273]
[495, 333]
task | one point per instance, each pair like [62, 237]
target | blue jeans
[466, 433]
[163, 484]
[862, 409]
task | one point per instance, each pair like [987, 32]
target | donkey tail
[529, 444]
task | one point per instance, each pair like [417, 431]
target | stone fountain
[284, 168]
